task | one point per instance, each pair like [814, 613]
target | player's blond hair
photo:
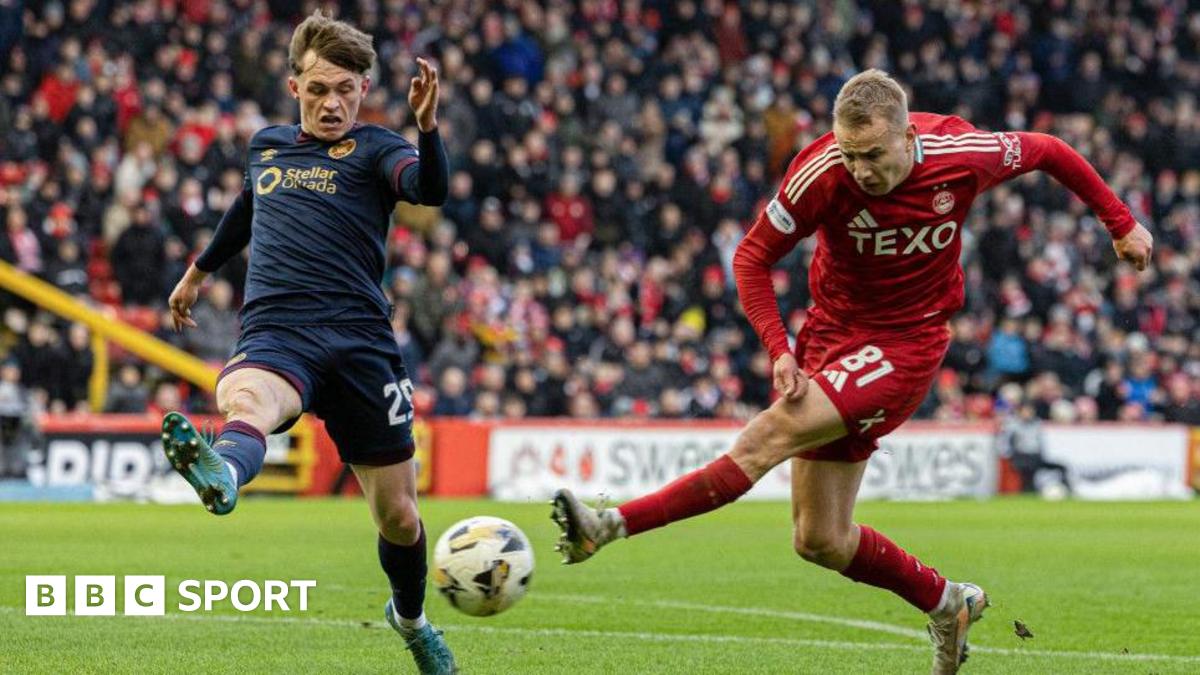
[335, 41]
[870, 94]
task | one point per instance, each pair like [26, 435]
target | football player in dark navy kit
[315, 332]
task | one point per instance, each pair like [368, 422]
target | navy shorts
[351, 376]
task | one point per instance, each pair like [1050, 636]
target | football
[482, 565]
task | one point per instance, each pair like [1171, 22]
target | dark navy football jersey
[321, 213]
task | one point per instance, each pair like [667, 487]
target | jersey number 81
[868, 355]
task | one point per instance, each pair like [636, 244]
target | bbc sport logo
[146, 595]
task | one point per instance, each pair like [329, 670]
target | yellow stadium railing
[106, 328]
[136, 341]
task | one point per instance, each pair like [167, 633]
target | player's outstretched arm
[232, 235]
[429, 182]
[1028, 151]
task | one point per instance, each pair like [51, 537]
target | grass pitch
[1105, 588]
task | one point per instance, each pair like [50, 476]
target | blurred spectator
[1183, 403]
[570, 210]
[457, 348]
[20, 246]
[40, 358]
[410, 349]
[216, 323]
[138, 258]
[453, 397]
[433, 297]
[68, 270]
[643, 379]
[1023, 443]
[1007, 352]
[166, 399]
[77, 367]
[18, 422]
[127, 393]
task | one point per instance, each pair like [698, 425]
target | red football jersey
[892, 261]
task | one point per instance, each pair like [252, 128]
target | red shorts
[876, 379]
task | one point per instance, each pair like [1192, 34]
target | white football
[482, 565]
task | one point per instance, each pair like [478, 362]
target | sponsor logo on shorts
[943, 202]
[780, 218]
[236, 360]
[343, 149]
[863, 425]
[836, 378]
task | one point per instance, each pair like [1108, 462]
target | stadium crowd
[607, 158]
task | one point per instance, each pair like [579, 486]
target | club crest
[343, 149]
[943, 202]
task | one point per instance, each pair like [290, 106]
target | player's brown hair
[867, 95]
[335, 41]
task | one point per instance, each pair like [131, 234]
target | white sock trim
[413, 624]
[233, 471]
[616, 521]
[941, 606]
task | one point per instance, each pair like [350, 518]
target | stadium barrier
[119, 456]
[527, 460]
[1194, 459]
[530, 461]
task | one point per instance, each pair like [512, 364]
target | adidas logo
[837, 378]
[863, 221]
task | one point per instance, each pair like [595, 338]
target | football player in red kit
[886, 194]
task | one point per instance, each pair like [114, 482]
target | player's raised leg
[391, 493]
[254, 402]
[785, 429]
[823, 498]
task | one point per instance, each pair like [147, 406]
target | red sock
[880, 562]
[720, 482]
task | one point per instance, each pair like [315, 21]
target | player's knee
[820, 547]
[238, 402]
[764, 442]
[254, 404]
[400, 523]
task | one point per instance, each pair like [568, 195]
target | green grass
[720, 594]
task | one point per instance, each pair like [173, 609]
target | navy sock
[405, 567]
[244, 447]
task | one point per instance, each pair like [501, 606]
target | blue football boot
[428, 648]
[193, 457]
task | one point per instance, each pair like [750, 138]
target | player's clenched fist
[423, 95]
[790, 381]
[1136, 247]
